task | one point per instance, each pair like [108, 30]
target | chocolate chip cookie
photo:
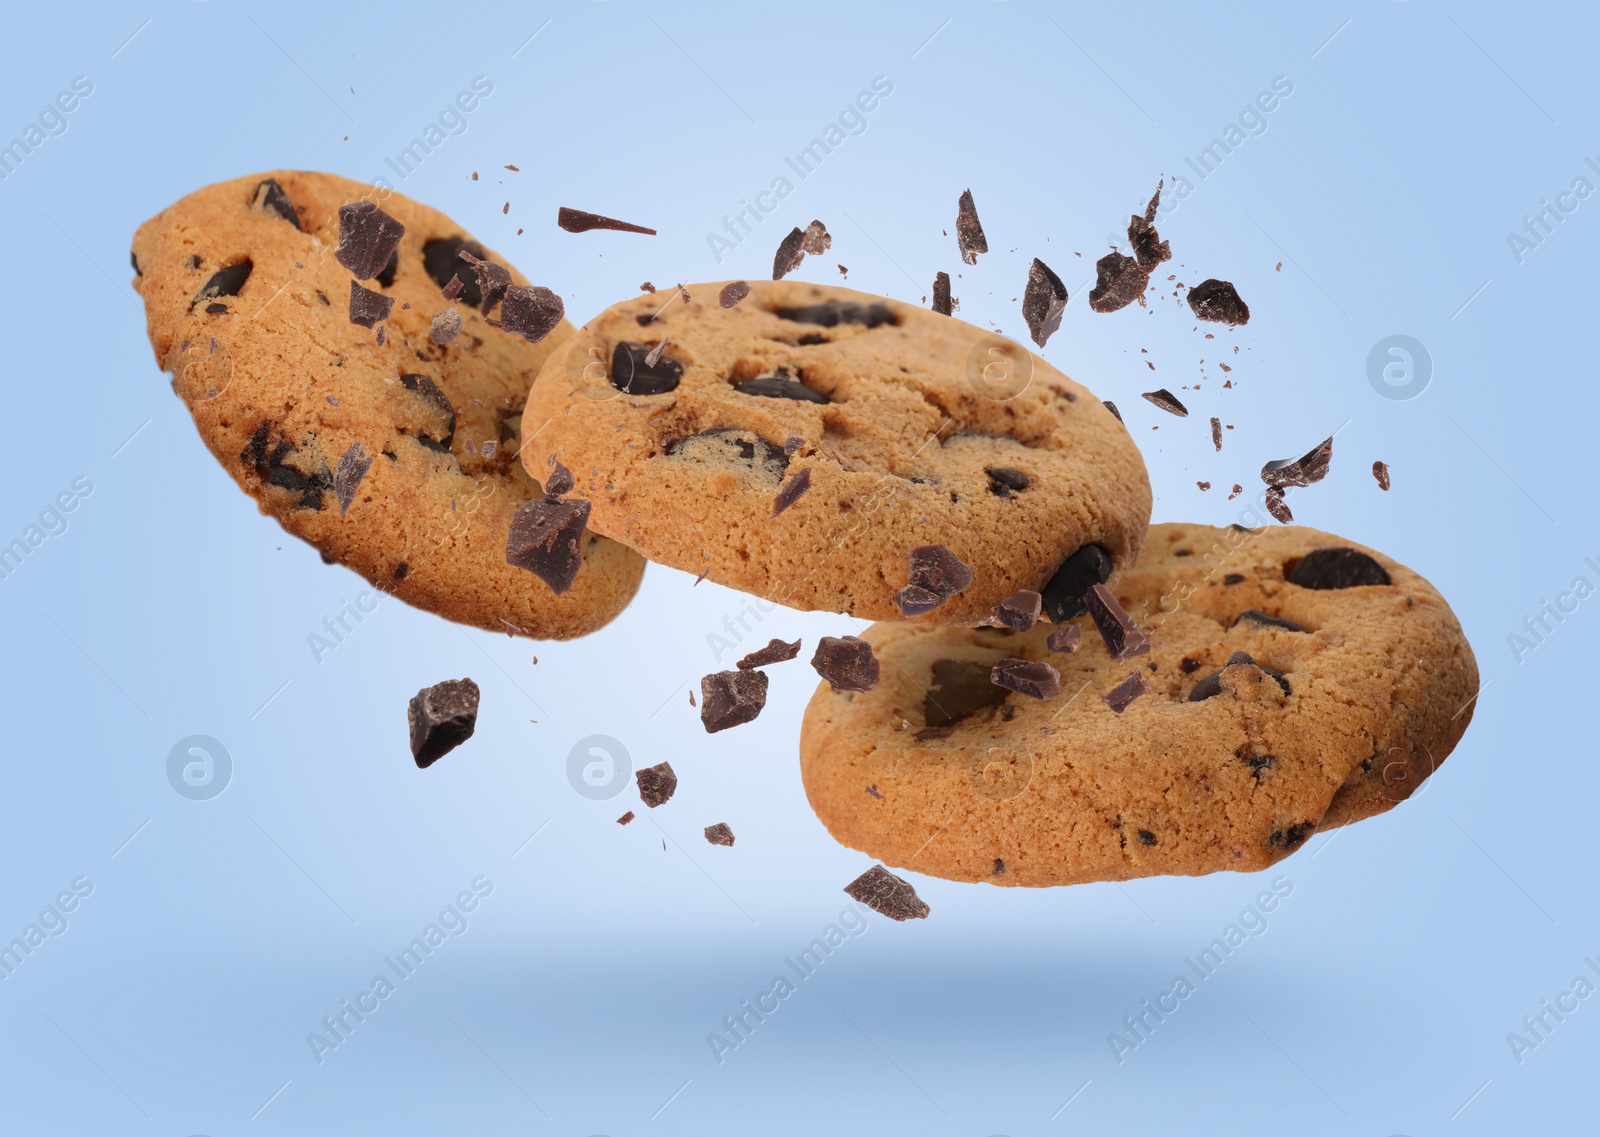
[1280, 683]
[812, 444]
[359, 365]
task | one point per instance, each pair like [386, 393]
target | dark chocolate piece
[887, 895]
[632, 375]
[847, 663]
[780, 385]
[959, 688]
[719, 834]
[1216, 433]
[225, 282]
[731, 698]
[791, 251]
[933, 571]
[776, 651]
[1032, 678]
[368, 307]
[579, 221]
[625, 818]
[1217, 301]
[1380, 470]
[446, 326]
[1277, 506]
[816, 239]
[279, 473]
[493, 280]
[368, 237]
[733, 292]
[1336, 567]
[454, 289]
[1065, 638]
[832, 313]
[1020, 610]
[1260, 763]
[1291, 837]
[943, 302]
[1262, 620]
[1123, 638]
[656, 784]
[1006, 482]
[352, 467]
[1063, 593]
[546, 538]
[269, 196]
[1146, 837]
[1112, 407]
[969, 231]
[560, 480]
[1118, 282]
[1211, 685]
[791, 490]
[1233, 578]
[1310, 467]
[1043, 302]
[442, 717]
[441, 258]
[1148, 247]
[1167, 401]
[1126, 692]
[530, 312]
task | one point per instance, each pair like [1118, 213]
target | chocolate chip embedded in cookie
[395, 456]
[1264, 710]
[699, 426]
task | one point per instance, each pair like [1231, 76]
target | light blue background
[220, 932]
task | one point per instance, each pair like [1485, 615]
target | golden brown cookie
[1351, 683]
[392, 452]
[800, 442]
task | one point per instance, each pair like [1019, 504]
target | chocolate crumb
[1035, 679]
[776, 651]
[445, 327]
[656, 784]
[352, 467]
[1380, 470]
[943, 303]
[1277, 506]
[792, 445]
[1233, 578]
[1217, 301]
[1065, 638]
[791, 251]
[1148, 247]
[1167, 401]
[873, 790]
[790, 491]
[560, 480]
[442, 717]
[969, 231]
[579, 221]
[1188, 666]
[815, 240]
[1006, 482]
[453, 289]
[887, 894]
[999, 867]
[934, 575]
[625, 818]
[1043, 301]
[847, 663]
[1146, 837]
[1123, 638]
[1216, 433]
[1125, 692]
[1020, 610]
[731, 698]
[1310, 467]
[733, 292]
[719, 834]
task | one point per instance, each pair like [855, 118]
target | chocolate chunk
[1167, 401]
[439, 402]
[1126, 692]
[1380, 470]
[780, 385]
[816, 240]
[832, 313]
[1188, 666]
[1211, 685]
[731, 698]
[1123, 638]
[368, 307]
[969, 232]
[733, 292]
[560, 480]
[1065, 638]
[1118, 282]
[1291, 837]
[656, 784]
[1277, 506]
[530, 312]
[309, 486]
[791, 251]
[790, 491]
[776, 651]
[959, 688]
[625, 818]
[1028, 677]
[1146, 837]
[847, 663]
[732, 444]
[368, 237]
[1112, 407]
[225, 282]
[269, 196]
[442, 717]
[1020, 610]
[943, 302]
[999, 867]
[1063, 594]
[1312, 466]
[493, 280]
[1043, 302]
[719, 834]
[1259, 763]
[578, 221]
[446, 326]
[1006, 482]
[1216, 433]
[631, 374]
[1148, 247]
[441, 258]
[546, 538]
[1216, 300]
[1336, 567]
[353, 466]
[887, 895]
[1262, 620]
[792, 445]
[933, 571]
[1233, 578]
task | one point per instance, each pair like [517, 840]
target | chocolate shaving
[1216, 433]
[546, 538]
[1310, 467]
[733, 292]
[791, 251]
[719, 834]
[1020, 610]
[368, 307]
[442, 717]
[731, 698]
[656, 784]
[453, 289]
[887, 895]
[943, 302]
[776, 651]
[579, 221]
[1167, 401]
[531, 313]
[1065, 638]
[1043, 302]
[347, 474]
[1125, 692]
[1032, 678]
[1216, 300]
[1123, 638]
[969, 232]
[1118, 282]
[368, 237]
[847, 663]
[791, 490]
[934, 575]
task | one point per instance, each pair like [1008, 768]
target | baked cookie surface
[392, 453]
[1360, 682]
[905, 429]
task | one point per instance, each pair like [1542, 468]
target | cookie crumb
[445, 327]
